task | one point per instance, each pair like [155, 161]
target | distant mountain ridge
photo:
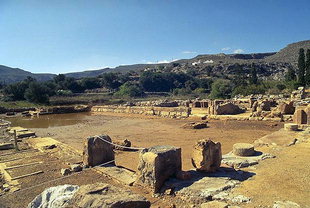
[286, 56]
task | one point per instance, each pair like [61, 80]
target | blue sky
[61, 36]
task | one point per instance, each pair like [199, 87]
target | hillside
[289, 54]
[10, 75]
[270, 65]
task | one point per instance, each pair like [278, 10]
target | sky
[62, 36]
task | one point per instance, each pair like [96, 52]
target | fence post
[15, 141]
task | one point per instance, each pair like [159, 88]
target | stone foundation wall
[175, 112]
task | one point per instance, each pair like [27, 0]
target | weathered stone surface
[291, 127]
[65, 171]
[300, 116]
[157, 164]
[97, 151]
[6, 146]
[228, 109]
[107, 196]
[214, 204]
[243, 149]
[125, 143]
[196, 125]
[76, 168]
[264, 106]
[235, 161]
[285, 204]
[121, 175]
[207, 156]
[287, 108]
[54, 197]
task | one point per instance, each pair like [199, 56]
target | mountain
[10, 75]
[289, 54]
[271, 65]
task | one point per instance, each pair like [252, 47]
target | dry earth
[145, 131]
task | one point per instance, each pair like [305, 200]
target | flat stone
[291, 127]
[285, 204]
[214, 204]
[65, 171]
[6, 146]
[118, 174]
[105, 195]
[235, 161]
[243, 149]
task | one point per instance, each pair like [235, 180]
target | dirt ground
[145, 131]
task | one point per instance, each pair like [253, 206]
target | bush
[221, 89]
[129, 90]
[37, 93]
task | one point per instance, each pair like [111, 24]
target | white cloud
[189, 52]
[239, 50]
[226, 49]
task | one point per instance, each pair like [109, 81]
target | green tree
[301, 67]
[111, 80]
[129, 90]
[290, 75]
[221, 89]
[37, 93]
[307, 77]
[16, 91]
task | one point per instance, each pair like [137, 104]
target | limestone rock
[6, 146]
[97, 151]
[285, 204]
[243, 149]
[291, 127]
[125, 143]
[285, 108]
[207, 156]
[157, 164]
[228, 109]
[105, 195]
[65, 171]
[196, 125]
[214, 204]
[76, 168]
[54, 197]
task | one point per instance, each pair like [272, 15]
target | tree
[110, 80]
[129, 90]
[253, 77]
[221, 89]
[301, 67]
[307, 77]
[290, 75]
[37, 93]
[16, 91]
[90, 83]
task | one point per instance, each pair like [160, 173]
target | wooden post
[15, 141]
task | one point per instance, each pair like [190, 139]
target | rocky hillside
[289, 54]
[9, 75]
[269, 65]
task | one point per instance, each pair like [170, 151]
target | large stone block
[300, 116]
[97, 151]
[157, 164]
[105, 195]
[207, 156]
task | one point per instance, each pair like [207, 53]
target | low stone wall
[176, 112]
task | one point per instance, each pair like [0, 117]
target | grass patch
[19, 104]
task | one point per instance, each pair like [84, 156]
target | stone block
[207, 156]
[300, 117]
[157, 164]
[291, 127]
[105, 195]
[97, 151]
[243, 149]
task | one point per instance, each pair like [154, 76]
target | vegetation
[301, 67]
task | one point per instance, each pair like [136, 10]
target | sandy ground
[145, 131]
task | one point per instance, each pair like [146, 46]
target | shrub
[129, 90]
[221, 89]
